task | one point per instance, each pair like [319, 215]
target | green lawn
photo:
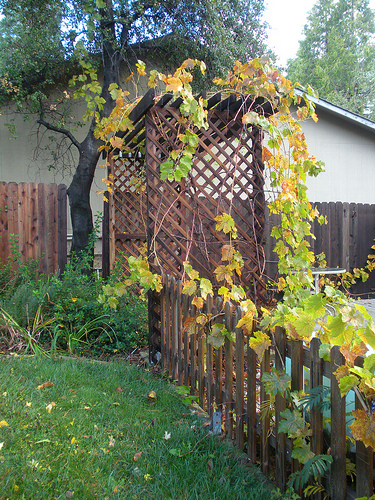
[109, 430]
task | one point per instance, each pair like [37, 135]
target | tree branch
[63, 131]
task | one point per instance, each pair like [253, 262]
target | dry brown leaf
[137, 456]
[45, 384]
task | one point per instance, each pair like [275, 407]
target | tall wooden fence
[35, 216]
[346, 240]
[228, 380]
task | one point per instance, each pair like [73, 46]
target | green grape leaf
[275, 382]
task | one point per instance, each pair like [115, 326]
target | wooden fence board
[251, 405]
[280, 406]
[228, 353]
[219, 380]
[364, 459]
[338, 431]
[265, 419]
[346, 240]
[209, 363]
[240, 380]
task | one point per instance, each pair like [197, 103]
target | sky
[287, 19]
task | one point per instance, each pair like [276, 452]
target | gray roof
[341, 112]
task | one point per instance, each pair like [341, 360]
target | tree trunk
[79, 189]
[79, 193]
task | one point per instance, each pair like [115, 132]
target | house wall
[24, 157]
[348, 151]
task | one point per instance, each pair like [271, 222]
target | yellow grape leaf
[190, 325]
[3, 423]
[266, 154]
[141, 67]
[226, 224]
[351, 352]
[363, 427]
[260, 343]
[198, 302]
[152, 395]
[45, 384]
[201, 319]
[73, 440]
[247, 322]
[173, 84]
[190, 287]
[223, 274]
[205, 287]
[116, 142]
[137, 456]
[342, 371]
[192, 273]
[227, 252]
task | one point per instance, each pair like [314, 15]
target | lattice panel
[227, 176]
[129, 208]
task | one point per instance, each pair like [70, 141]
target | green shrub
[71, 302]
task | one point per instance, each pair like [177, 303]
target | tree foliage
[337, 55]
[42, 43]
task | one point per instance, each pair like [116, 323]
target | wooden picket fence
[228, 380]
[36, 214]
[346, 240]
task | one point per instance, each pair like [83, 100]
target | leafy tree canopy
[337, 55]
[38, 39]
[41, 43]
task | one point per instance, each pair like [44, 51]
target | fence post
[338, 433]
[364, 459]
[209, 363]
[228, 353]
[297, 380]
[62, 250]
[265, 420]
[251, 404]
[316, 415]
[218, 354]
[186, 354]
[105, 237]
[240, 378]
[280, 348]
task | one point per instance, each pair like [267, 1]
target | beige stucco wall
[348, 151]
[20, 163]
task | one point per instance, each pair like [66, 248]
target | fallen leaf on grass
[69, 494]
[210, 463]
[152, 395]
[167, 435]
[50, 406]
[45, 384]
[3, 423]
[1, 445]
[119, 390]
[111, 442]
[137, 456]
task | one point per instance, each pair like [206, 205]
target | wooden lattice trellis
[178, 219]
